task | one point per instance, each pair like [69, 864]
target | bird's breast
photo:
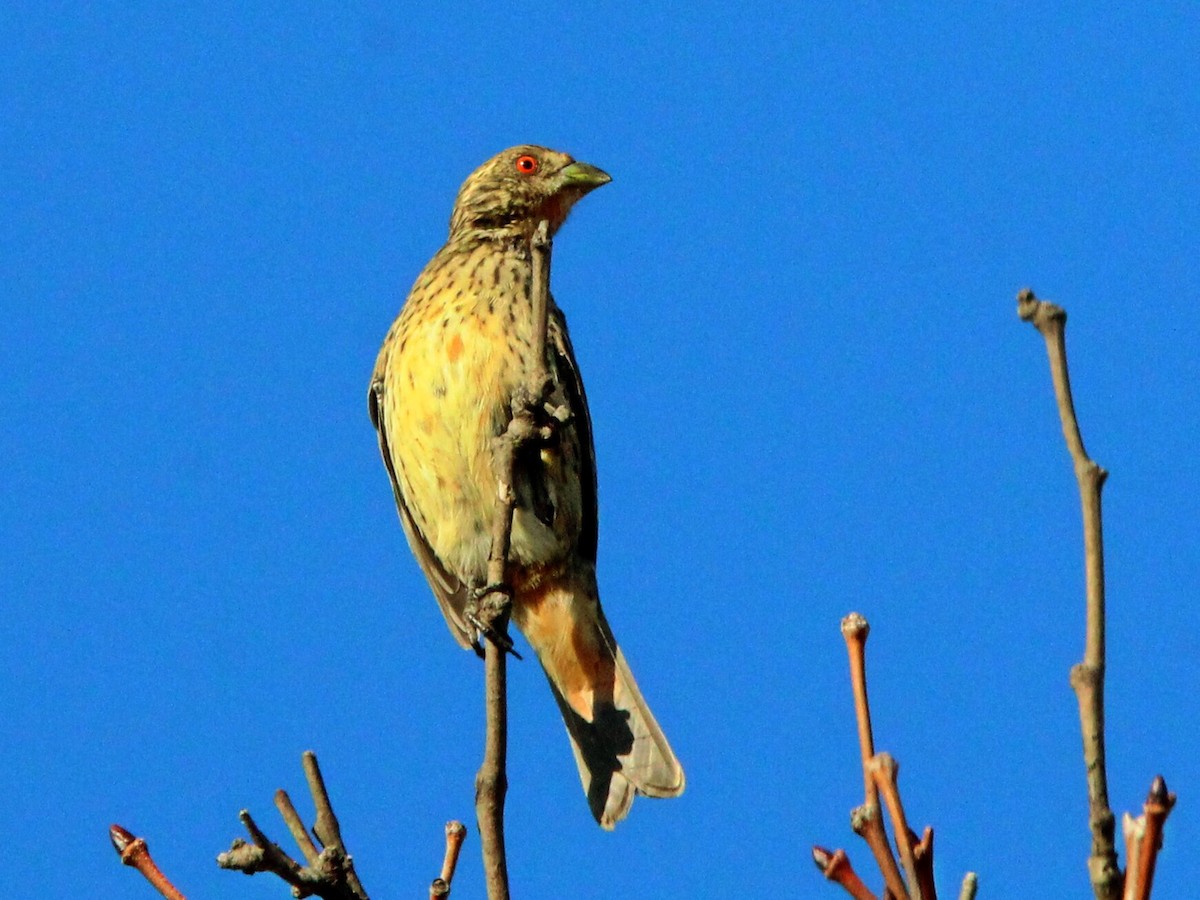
[461, 346]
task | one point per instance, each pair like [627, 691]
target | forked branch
[328, 871]
[880, 780]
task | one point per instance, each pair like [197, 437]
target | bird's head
[515, 189]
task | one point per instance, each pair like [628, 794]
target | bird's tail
[619, 748]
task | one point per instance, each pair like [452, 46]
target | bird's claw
[483, 610]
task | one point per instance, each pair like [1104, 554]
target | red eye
[527, 165]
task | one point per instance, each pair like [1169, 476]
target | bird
[441, 392]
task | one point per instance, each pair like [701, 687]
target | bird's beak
[583, 176]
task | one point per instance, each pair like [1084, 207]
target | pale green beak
[584, 176]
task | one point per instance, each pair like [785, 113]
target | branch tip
[134, 852]
[329, 870]
[855, 627]
[835, 866]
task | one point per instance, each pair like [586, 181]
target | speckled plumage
[441, 393]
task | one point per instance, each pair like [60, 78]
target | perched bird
[440, 395]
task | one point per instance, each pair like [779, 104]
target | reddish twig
[865, 819]
[456, 833]
[867, 823]
[1143, 840]
[134, 852]
[855, 630]
[1087, 677]
[835, 866]
[923, 858]
[880, 781]
[885, 772]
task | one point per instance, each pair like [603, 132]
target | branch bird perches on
[528, 424]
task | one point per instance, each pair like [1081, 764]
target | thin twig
[273, 857]
[295, 825]
[329, 873]
[970, 884]
[1143, 840]
[836, 867]
[865, 819]
[867, 823]
[491, 782]
[326, 826]
[134, 852]
[923, 857]
[1087, 677]
[885, 771]
[456, 833]
[855, 630]
[540, 295]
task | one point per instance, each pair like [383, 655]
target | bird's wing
[568, 372]
[450, 592]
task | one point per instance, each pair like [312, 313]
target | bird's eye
[527, 165]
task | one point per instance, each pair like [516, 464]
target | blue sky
[794, 312]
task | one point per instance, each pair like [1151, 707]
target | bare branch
[540, 295]
[329, 872]
[970, 885]
[456, 833]
[1143, 840]
[855, 630]
[491, 782]
[923, 858]
[836, 867]
[885, 771]
[867, 823]
[1087, 677]
[865, 819]
[135, 852]
[295, 825]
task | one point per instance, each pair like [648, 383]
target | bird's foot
[487, 607]
[535, 416]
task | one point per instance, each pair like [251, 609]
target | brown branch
[1087, 677]
[329, 872]
[865, 819]
[885, 772]
[1143, 840]
[134, 852]
[539, 289]
[866, 822]
[923, 858]
[855, 630]
[491, 782]
[295, 825]
[836, 867]
[456, 833]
